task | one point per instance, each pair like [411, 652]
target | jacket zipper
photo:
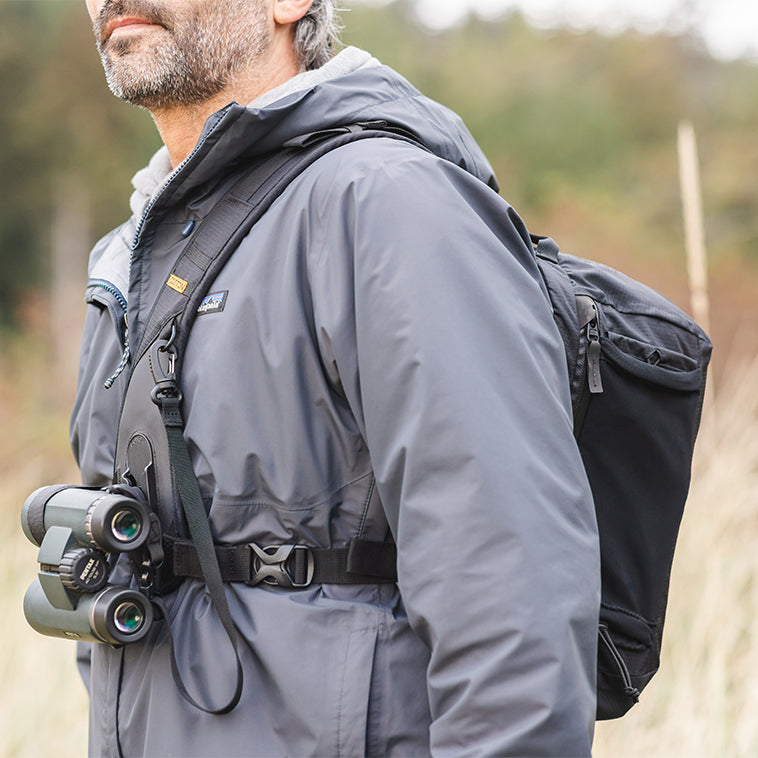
[157, 196]
[111, 289]
[126, 354]
[124, 362]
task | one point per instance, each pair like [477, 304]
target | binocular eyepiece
[115, 615]
[109, 521]
[76, 529]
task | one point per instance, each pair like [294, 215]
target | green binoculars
[78, 531]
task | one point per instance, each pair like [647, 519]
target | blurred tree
[581, 127]
[60, 124]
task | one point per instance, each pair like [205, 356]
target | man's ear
[289, 11]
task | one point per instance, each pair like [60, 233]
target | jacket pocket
[106, 296]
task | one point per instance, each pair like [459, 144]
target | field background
[581, 129]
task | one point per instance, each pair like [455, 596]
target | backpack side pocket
[637, 443]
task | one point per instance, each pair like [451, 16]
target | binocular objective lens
[126, 525]
[128, 617]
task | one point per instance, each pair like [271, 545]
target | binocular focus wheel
[83, 569]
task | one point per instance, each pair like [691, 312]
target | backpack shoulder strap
[218, 235]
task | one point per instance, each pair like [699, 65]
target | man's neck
[180, 126]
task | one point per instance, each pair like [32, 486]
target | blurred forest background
[581, 129]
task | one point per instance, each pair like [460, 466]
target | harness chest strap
[288, 566]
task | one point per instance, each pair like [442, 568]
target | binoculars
[80, 532]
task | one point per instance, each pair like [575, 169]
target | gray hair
[316, 34]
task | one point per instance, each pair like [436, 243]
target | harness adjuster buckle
[166, 391]
[281, 565]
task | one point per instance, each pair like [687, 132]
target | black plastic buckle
[168, 397]
[166, 392]
[269, 565]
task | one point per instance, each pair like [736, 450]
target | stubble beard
[190, 59]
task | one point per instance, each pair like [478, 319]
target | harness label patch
[213, 303]
[176, 284]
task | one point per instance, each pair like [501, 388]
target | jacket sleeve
[448, 354]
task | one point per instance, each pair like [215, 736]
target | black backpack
[637, 369]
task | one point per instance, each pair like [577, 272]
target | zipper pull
[126, 356]
[593, 356]
[588, 315]
[629, 689]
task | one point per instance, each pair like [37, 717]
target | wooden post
[694, 230]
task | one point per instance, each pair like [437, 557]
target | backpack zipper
[589, 320]
[594, 380]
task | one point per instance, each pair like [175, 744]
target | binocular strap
[199, 528]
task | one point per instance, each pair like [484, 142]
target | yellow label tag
[176, 284]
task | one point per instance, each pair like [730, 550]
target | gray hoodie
[386, 363]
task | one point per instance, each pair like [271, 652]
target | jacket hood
[366, 94]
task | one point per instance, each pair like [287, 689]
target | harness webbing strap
[200, 531]
[362, 562]
[219, 234]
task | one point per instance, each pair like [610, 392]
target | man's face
[161, 53]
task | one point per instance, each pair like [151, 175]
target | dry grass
[702, 704]
[44, 705]
[44, 711]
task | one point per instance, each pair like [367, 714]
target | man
[385, 367]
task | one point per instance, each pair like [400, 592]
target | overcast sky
[729, 27]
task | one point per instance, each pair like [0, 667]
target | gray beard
[187, 62]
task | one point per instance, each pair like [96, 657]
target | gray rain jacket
[386, 363]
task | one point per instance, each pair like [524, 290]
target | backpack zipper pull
[589, 320]
[589, 356]
[629, 689]
[593, 355]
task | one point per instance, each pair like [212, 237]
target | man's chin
[142, 40]
[153, 94]
[126, 84]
